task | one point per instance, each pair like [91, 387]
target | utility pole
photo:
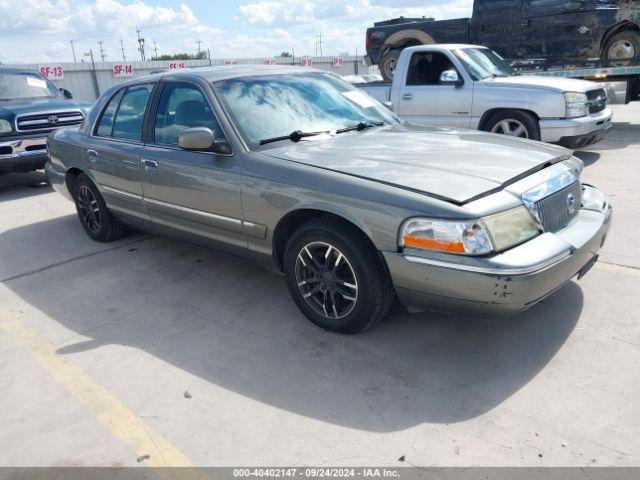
[94, 76]
[124, 58]
[73, 50]
[140, 45]
[155, 49]
[209, 55]
[199, 42]
[101, 50]
[320, 42]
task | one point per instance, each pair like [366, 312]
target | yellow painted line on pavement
[124, 424]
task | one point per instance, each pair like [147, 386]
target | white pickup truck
[469, 86]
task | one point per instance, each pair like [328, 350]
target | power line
[73, 50]
[100, 42]
[141, 45]
[124, 58]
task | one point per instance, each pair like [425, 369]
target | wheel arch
[71, 175]
[295, 218]
[615, 29]
[486, 116]
[406, 38]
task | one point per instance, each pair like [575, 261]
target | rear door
[424, 99]
[498, 25]
[190, 192]
[559, 30]
[113, 157]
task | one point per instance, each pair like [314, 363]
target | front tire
[514, 123]
[621, 50]
[336, 276]
[96, 219]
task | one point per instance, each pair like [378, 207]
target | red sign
[230, 62]
[174, 66]
[337, 62]
[52, 72]
[306, 62]
[270, 61]
[121, 70]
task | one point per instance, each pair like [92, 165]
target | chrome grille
[554, 212]
[48, 121]
[597, 100]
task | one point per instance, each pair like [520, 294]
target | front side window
[426, 68]
[276, 105]
[130, 113]
[182, 106]
[16, 86]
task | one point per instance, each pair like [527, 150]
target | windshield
[266, 107]
[25, 85]
[482, 63]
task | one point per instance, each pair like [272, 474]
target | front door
[113, 155]
[196, 193]
[559, 30]
[424, 99]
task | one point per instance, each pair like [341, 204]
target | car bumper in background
[508, 282]
[577, 132]
[23, 155]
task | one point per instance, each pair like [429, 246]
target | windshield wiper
[293, 136]
[360, 126]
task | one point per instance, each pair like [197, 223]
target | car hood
[10, 108]
[454, 165]
[549, 83]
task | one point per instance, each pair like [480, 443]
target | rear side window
[182, 106]
[130, 113]
[106, 121]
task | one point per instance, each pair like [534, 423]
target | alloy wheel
[622, 52]
[326, 280]
[89, 208]
[511, 127]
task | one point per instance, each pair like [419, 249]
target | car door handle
[407, 96]
[92, 155]
[149, 163]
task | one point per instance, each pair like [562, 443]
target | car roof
[214, 74]
[17, 70]
[444, 46]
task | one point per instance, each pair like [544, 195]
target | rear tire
[388, 63]
[96, 219]
[336, 276]
[621, 50]
[514, 123]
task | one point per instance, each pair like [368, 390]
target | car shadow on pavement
[588, 158]
[14, 186]
[234, 325]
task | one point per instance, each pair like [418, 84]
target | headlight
[496, 232]
[5, 127]
[511, 228]
[576, 104]
[461, 237]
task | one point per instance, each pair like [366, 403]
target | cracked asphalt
[100, 344]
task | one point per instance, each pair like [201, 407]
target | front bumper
[23, 155]
[577, 132]
[506, 283]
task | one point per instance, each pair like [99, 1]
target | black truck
[542, 34]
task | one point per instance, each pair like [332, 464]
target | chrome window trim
[124, 193]
[491, 270]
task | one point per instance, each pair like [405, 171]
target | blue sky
[33, 31]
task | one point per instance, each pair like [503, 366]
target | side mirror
[202, 138]
[66, 93]
[388, 104]
[450, 77]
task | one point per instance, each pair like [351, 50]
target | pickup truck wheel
[336, 276]
[622, 49]
[388, 64]
[95, 217]
[515, 124]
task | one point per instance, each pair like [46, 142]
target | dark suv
[31, 107]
